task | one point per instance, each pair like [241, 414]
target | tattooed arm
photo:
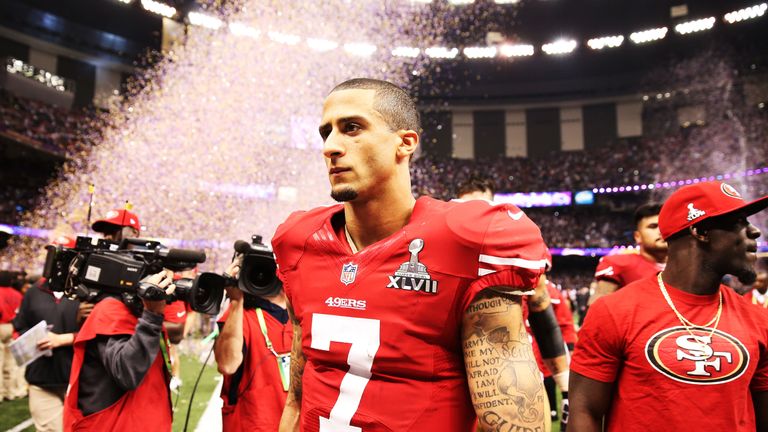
[504, 381]
[289, 422]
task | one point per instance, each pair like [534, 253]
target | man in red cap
[680, 351]
[118, 224]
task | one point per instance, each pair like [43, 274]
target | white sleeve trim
[515, 262]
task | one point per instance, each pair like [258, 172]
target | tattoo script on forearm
[504, 381]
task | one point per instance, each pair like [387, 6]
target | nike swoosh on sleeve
[515, 216]
[181, 314]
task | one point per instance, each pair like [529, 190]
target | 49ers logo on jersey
[697, 357]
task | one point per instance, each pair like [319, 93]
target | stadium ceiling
[474, 32]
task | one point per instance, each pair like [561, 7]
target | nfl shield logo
[348, 273]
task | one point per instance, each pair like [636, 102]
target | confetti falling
[218, 140]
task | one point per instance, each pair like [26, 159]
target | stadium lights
[360, 49]
[284, 38]
[480, 52]
[125, 1]
[404, 51]
[648, 35]
[506, 1]
[517, 50]
[321, 45]
[240, 29]
[560, 46]
[204, 20]
[441, 52]
[158, 8]
[746, 13]
[676, 183]
[695, 25]
[606, 42]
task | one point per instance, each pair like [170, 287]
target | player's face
[648, 235]
[734, 247]
[360, 148]
[477, 195]
[119, 233]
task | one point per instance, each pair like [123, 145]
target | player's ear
[636, 236]
[699, 233]
[409, 143]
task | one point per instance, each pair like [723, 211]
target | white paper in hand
[24, 349]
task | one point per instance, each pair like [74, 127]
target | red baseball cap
[117, 218]
[694, 203]
[65, 241]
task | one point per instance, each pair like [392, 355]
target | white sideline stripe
[516, 262]
[210, 421]
[21, 426]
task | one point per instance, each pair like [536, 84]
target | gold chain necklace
[686, 323]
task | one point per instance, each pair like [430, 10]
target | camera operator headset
[120, 371]
[253, 349]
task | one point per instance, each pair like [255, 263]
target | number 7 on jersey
[364, 336]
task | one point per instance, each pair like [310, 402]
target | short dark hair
[476, 184]
[646, 210]
[391, 101]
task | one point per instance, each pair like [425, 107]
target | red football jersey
[668, 378]
[381, 329]
[623, 269]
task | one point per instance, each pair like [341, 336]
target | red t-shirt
[392, 312]
[623, 269]
[667, 379]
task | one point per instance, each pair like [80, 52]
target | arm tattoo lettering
[505, 383]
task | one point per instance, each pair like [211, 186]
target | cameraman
[118, 224]
[253, 353]
[119, 378]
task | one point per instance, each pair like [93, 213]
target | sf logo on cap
[730, 190]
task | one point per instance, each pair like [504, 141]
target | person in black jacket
[48, 376]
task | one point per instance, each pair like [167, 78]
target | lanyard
[164, 344]
[283, 360]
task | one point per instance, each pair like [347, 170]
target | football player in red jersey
[679, 350]
[407, 313]
[616, 271]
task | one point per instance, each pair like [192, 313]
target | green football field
[15, 412]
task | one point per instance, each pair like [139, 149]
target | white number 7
[363, 334]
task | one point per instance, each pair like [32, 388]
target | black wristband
[547, 333]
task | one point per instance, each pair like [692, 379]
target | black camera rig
[96, 266]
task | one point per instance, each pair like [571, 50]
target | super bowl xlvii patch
[413, 275]
[348, 273]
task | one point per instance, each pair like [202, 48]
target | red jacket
[148, 407]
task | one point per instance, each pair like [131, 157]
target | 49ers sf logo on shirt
[697, 357]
